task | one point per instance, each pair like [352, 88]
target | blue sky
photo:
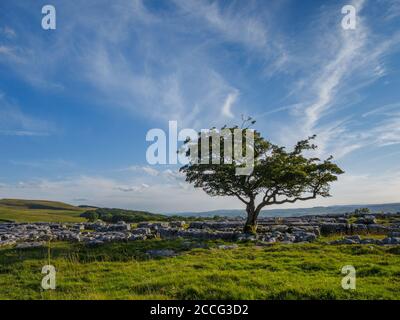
[76, 102]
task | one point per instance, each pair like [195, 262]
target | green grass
[123, 271]
[12, 210]
[38, 204]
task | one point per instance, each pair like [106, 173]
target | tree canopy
[278, 177]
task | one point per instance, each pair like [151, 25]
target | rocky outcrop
[270, 230]
[334, 228]
[161, 253]
[357, 240]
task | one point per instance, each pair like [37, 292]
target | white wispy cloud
[386, 110]
[394, 9]
[250, 26]
[151, 171]
[107, 192]
[160, 78]
[8, 32]
[6, 50]
[166, 96]
[366, 188]
[228, 104]
[353, 60]
[43, 163]
[159, 172]
[140, 188]
[335, 71]
[233, 25]
[167, 67]
[14, 122]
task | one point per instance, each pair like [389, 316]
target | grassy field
[12, 210]
[123, 271]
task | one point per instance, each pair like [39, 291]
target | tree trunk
[251, 222]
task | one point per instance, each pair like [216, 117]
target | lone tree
[278, 177]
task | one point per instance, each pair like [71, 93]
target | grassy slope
[38, 211]
[302, 271]
[38, 204]
[51, 211]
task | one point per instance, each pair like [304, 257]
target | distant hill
[37, 204]
[18, 210]
[21, 210]
[389, 207]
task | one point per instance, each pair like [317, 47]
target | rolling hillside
[16, 210]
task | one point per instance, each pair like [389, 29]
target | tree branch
[240, 198]
[294, 199]
[267, 199]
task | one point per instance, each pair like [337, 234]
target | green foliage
[277, 173]
[91, 215]
[362, 211]
[115, 215]
[279, 176]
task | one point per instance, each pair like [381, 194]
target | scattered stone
[177, 224]
[270, 240]
[94, 242]
[343, 241]
[370, 241]
[377, 229]
[228, 247]
[305, 236]
[161, 253]
[358, 228]
[143, 231]
[391, 240]
[394, 234]
[153, 225]
[137, 237]
[120, 226]
[194, 244]
[367, 219]
[355, 238]
[29, 245]
[333, 228]
[246, 237]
